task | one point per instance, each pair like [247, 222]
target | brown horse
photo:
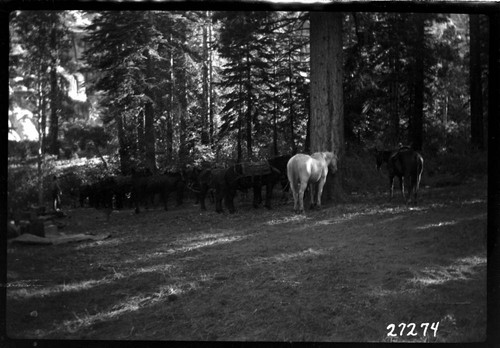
[303, 170]
[407, 165]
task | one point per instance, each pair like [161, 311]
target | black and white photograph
[279, 174]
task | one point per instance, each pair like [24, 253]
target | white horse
[303, 169]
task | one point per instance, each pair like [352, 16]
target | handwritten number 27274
[411, 329]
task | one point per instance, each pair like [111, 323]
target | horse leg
[203, 193]
[312, 189]
[321, 184]
[219, 194]
[293, 187]
[230, 200]
[391, 186]
[402, 186]
[257, 194]
[302, 189]
[269, 194]
[406, 181]
[295, 191]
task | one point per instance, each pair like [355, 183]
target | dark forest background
[106, 92]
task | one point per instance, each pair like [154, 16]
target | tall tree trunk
[182, 101]
[205, 103]
[149, 137]
[249, 108]
[476, 90]
[395, 96]
[327, 108]
[149, 118]
[210, 79]
[123, 152]
[417, 115]
[307, 143]
[41, 101]
[170, 104]
[43, 118]
[290, 97]
[240, 126]
[54, 121]
[54, 91]
[141, 141]
[275, 117]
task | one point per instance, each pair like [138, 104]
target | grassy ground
[344, 273]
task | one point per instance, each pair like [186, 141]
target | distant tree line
[182, 87]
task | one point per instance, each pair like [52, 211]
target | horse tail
[291, 175]
[420, 169]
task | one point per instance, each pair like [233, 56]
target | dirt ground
[365, 271]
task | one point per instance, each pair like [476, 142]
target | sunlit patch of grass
[107, 242]
[462, 269]
[438, 224]
[285, 257]
[286, 219]
[85, 284]
[204, 243]
[197, 242]
[450, 223]
[474, 201]
[131, 304]
[153, 269]
[204, 236]
[52, 290]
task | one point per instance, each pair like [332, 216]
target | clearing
[344, 273]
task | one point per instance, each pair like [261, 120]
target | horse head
[331, 159]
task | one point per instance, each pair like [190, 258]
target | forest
[166, 89]
[115, 110]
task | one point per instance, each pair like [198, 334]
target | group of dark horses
[225, 182]
[135, 190]
[297, 172]
[142, 187]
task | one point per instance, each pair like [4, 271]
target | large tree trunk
[182, 102]
[476, 92]
[41, 143]
[170, 105]
[239, 149]
[210, 84]
[141, 141]
[249, 108]
[395, 95]
[275, 119]
[327, 106]
[149, 116]
[205, 103]
[149, 137]
[123, 152]
[55, 103]
[417, 115]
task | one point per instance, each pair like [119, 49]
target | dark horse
[407, 165]
[244, 176]
[280, 163]
[109, 192]
[239, 177]
[146, 186]
[208, 180]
